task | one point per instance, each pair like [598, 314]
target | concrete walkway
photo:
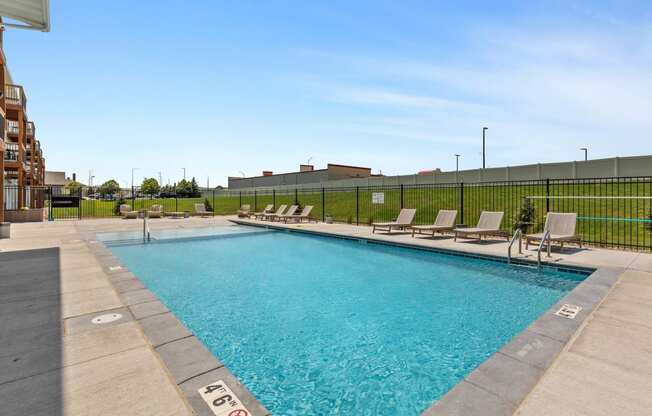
[52, 362]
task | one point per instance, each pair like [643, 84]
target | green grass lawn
[615, 222]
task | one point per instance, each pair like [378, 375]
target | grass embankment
[612, 221]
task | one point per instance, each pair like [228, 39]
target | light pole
[132, 180]
[457, 163]
[184, 173]
[484, 130]
[586, 153]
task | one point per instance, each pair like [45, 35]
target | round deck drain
[105, 319]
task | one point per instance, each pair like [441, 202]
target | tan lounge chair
[155, 211]
[200, 209]
[445, 221]
[305, 215]
[244, 211]
[127, 213]
[488, 225]
[404, 220]
[290, 211]
[278, 213]
[561, 227]
[268, 209]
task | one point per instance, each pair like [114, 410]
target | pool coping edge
[169, 339]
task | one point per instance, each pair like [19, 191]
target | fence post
[547, 195]
[401, 196]
[357, 205]
[79, 208]
[50, 213]
[323, 205]
[240, 200]
[274, 199]
[296, 197]
[176, 199]
[255, 200]
[214, 202]
[462, 202]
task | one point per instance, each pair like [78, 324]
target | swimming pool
[319, 325]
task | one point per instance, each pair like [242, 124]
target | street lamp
[242, 173]
[457, 163]
[484, 130]
[184, 173]
[132, 177]
[132, 180]
[586, 153]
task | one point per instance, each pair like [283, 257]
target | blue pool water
[324, 326]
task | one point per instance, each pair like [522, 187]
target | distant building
[56, 178]
[307, 174]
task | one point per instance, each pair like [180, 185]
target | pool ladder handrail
[546, 237]
[517, 234]
[146, 235]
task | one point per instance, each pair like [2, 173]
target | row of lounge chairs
[283, 213]
[560, 226]
[156, 211]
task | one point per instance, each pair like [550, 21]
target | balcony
[29, 130]
[15, 95]
[13, 127]
[11, 152]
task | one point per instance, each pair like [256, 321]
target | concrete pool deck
[52, 361]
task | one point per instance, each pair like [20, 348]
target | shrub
[116, 206]
[525, 215]
[208, 205]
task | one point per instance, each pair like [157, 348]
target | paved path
[53, 363]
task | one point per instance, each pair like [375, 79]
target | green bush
[116, 206]
[208, 205]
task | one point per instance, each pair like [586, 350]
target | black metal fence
[612, 212]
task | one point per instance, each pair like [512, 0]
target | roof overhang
[34, 14]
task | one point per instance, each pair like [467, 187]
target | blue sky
[227, 87]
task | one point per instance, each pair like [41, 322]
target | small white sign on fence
[378, 198]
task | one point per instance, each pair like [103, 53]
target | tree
[184, 188]
[150, 186]
[194, 188]
[110, 187]
[72, 187]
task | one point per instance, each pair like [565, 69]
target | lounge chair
[155, 211]
[244, 211]
[127, 213]
[278, 213]
[445, 221]
[200, 209]
[488, 225]
[561, 227]
[305, 215]
[268, 209]
[404, 220]
[290, 211]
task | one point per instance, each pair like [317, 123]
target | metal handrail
[546, 236]
[146, 234]
[518, 233]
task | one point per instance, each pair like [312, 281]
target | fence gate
[63, 203]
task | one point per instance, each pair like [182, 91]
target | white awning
[35, 14]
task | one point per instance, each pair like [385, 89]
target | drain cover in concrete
[568, 311]
[105, 319]
[222, 400]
